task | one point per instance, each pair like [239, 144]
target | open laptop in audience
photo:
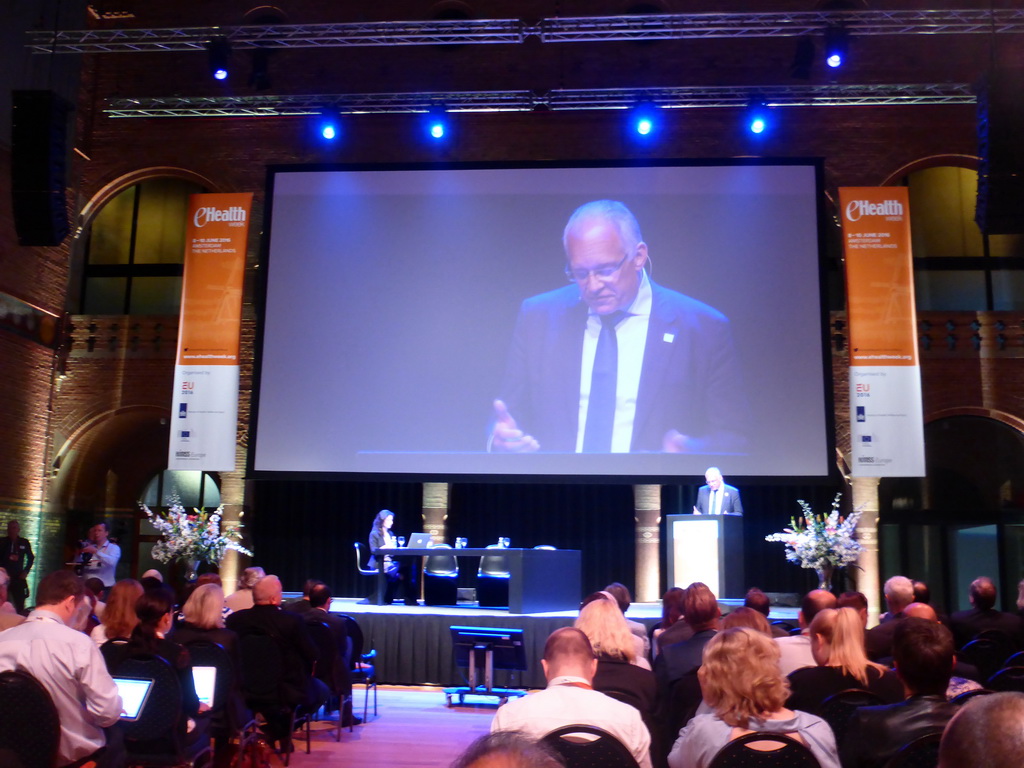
[134, 693]
[205, 679]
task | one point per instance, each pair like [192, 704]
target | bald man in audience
[298, 652]
[987, 732]
[569, 665]
[796, 649]
[964, 676]
[984, 616]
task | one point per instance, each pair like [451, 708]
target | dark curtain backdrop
[306, 528]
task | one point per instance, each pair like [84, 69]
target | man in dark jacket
[923, 652]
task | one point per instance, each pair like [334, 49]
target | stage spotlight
[218, 57]
[836, 42]
[437, 123]
[329, 125]
[644, 119]
[758, 117]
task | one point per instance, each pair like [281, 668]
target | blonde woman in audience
[119, 617]
[204, 619]
[621, 673]
[242, 598]
[747, 617]
[837, 644]
[608, 632]
[742, 684]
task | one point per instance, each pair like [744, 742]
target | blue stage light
[218, 56]
[328, 124]
[437, 123]
[836, 42]
[643, 119]
[758, 117]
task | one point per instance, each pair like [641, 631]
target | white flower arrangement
[818, 542]
[194, 535]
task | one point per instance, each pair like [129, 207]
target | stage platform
[413, 643]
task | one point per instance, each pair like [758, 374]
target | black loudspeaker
[1000, 204]
[39, 122]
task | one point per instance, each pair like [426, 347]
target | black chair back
[585, 746]
[495, 566]
[1007, 679]
[986, 654]
[363, 669]
[740, 753]
[442, 563]
[837, 708]
[922, 752]
[159, 728]
[329, 654]
[262, 670]
[29, 723]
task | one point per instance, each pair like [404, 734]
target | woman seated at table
[741, 682]
[399, 571]
[837, 644]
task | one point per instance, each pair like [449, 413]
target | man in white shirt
[796, 650]
[69, 665]
[103, 555]
[569, 665]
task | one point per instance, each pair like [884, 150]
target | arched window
[956, 267]
[135, 250]
[191, 487]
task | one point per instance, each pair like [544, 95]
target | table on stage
[540, 580]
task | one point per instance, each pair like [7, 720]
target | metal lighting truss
[556, 100]
[678, 26]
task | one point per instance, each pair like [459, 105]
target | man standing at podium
[717, 498]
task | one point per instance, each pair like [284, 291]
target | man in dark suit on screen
[614, 362]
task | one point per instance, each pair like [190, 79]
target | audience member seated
[899, 593]
[741, 683]
[671, 628]
[701, 613]
[987, 732]
[624, 599]
[984, 616]
[637, 644]
[70, 668]
[299, 687]
[859, 602]
[612, 630]
[923, 653]
[319, 602]
[965, 676]
[119, 618]
[747, 617]
[302, 605]
[569, 665]
[795, 651]
[507, 749]
[758, 601]
[155, 611]
[99, 590]
[617, 671]
[242, 597]
[837, 644]
[6, 607]
[203, 620]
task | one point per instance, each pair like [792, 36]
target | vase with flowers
[821, 542]
[193, 537]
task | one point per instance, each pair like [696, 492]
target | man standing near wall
[16, 558]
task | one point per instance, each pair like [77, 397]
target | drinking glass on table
[505, 541]
[401, 541]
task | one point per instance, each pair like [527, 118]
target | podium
[707, 548]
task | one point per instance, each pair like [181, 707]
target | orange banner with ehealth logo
[879, 275]
[205, 406]
[211, 299]
[886, 422]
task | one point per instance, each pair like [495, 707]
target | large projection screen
[392, 297]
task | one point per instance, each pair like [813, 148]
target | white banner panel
[205, 413]
[887, 425]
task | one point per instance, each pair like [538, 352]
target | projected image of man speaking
[614, 362]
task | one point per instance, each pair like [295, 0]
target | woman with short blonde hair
[605, 626]
[742, 684]
[837, 644]
[747, 617]
[205, 607]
